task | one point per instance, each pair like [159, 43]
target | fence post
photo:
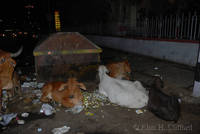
[199, 32]
[188, 28]
[182, 20]
[195, 26]
[191, 28]
[160, 27]
[170, 27]
[196, 88]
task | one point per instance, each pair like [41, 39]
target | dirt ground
[112, 119]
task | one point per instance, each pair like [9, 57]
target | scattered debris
[94, 100]
[89, 113]
[36, 101]
[40, 85]
[19, 72]
[32, 84]
[155, 68]
[179, 100]
[25, 114]
[139, 111]
[37, 93]
[39, 129]
[29, 84]
[28, 79]
[5, 119]
[20, 122]
[60, 130]
[47, 109]
[76, 109]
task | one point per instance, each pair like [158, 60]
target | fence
[182, 27]
[169, 27]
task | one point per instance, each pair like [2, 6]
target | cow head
[7, 64]
[119, 70]
[73, 95]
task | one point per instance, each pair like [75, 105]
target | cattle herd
[115, 83]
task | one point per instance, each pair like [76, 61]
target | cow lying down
[68, 93]
[162, 105]
[122, 92]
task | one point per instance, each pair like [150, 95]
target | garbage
[28, 79]
[179, 100]
[158, 75]
[26, 84]
[76, 109]
[155, 68]
[19, 72]
[39, 129]
[94, 100]
[5, 95]
[38, 93]
[5, 98]
[61, 130]
[32, 84]
[20, 122]
[89, 113]
[7, 118]
[25, 114]
[47, 109]
[40, 85]
[139, 111]
[36, 101]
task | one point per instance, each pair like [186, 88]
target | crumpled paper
[60, 130]
[5, 119]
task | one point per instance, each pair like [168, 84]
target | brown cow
[7, 75]
[68, 94]
[119, 70]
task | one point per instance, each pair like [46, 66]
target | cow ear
[82, 86]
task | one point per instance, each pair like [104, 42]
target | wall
[179, 52]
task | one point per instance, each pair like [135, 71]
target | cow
[164, 106]
[68, 94]
[119, 70]
[7, 74]
[125, 93]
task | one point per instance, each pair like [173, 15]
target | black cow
[162, 105]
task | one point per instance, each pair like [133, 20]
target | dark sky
[11, 8]
[72, 11]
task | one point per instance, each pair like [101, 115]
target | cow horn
[17, 53]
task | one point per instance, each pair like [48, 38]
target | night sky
[11, 9]
[75, 13]
[80, 10]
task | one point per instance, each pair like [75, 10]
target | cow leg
[0, 100]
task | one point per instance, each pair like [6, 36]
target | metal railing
[169, 27]
[179, 27]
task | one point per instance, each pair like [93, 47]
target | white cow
[122, 92]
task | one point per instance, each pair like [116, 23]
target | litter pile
[94, 100]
